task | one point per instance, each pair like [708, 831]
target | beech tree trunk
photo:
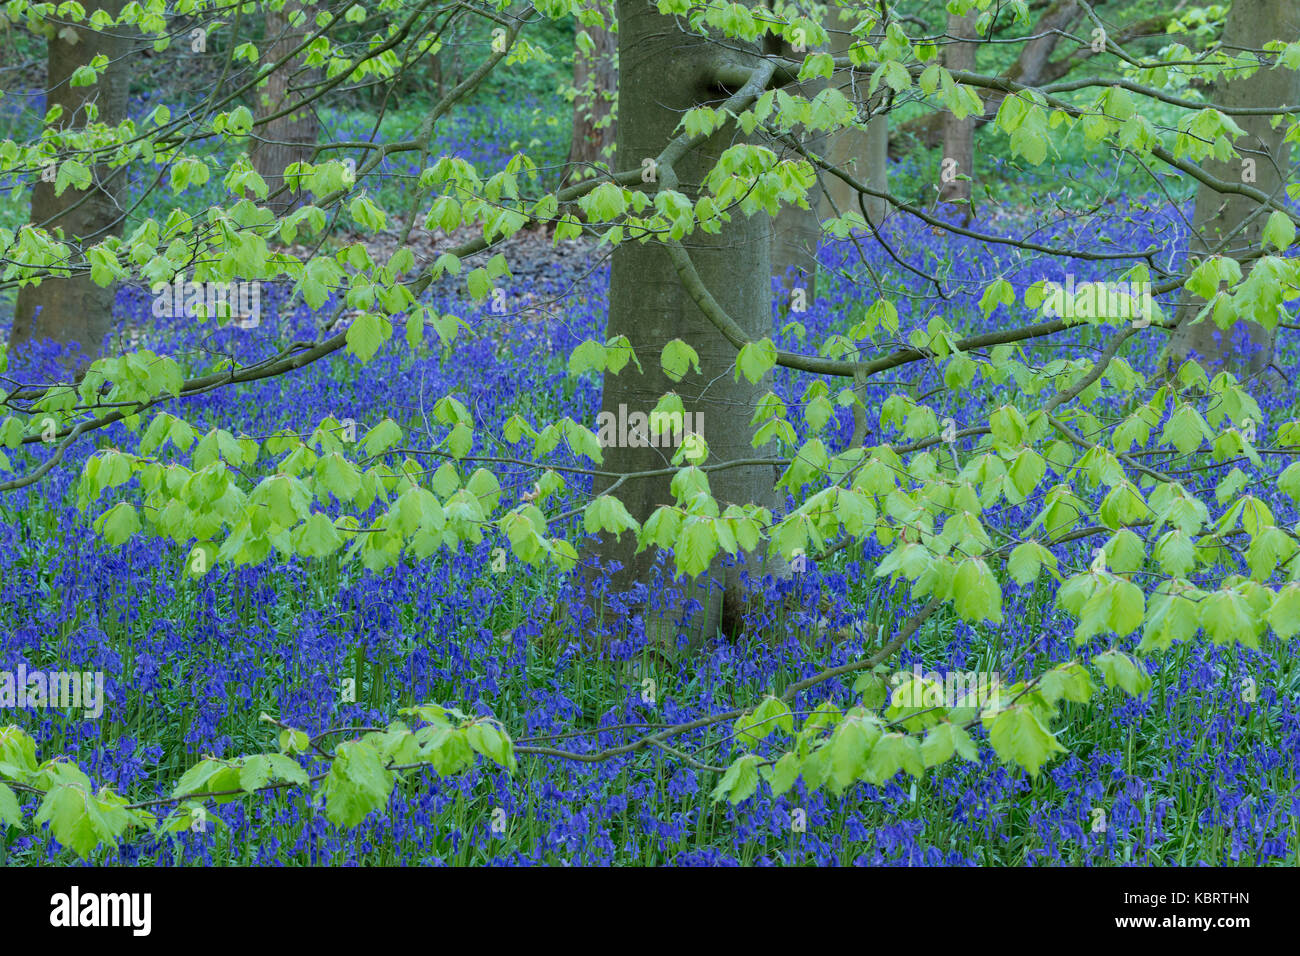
[958, 158]
[75, 309]
[1229, 224]
[1033, 67]
[863, 154]
[796, 232]
[288, 138]
[663, 72]
[595, 77]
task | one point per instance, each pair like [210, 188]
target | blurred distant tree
[1062, 27]
[75, 308]
[957, 166]
[287, 125]
[796, 229]
[595, 96]
[1234, 224]
[862, 152]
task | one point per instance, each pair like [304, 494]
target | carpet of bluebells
[1189, 774]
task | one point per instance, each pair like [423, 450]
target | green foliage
[918, 731]
[361, 776]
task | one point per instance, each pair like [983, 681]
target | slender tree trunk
[1033, 67]
[1231, 224]
[796, 232]
[958, 160]
[863, 154]
[75, 309]
[595, 78]
[663, 72]
[289, 138]
[877, 158]
[435, 81]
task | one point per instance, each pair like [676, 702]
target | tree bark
[864, 154]
[1230, 224]
[958, 160]
[1033, 67]
[595, 78]
[75, 309]
[663, 72]
[796, 232]
[290, 138]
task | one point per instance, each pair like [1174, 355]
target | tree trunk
[290, 138]
[595, 78]
[663, 72]
[1033, 67]
[435, 81]
[958, 162]
[1245, 347]
[796, 232]
[863, 154]
[75, 309]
